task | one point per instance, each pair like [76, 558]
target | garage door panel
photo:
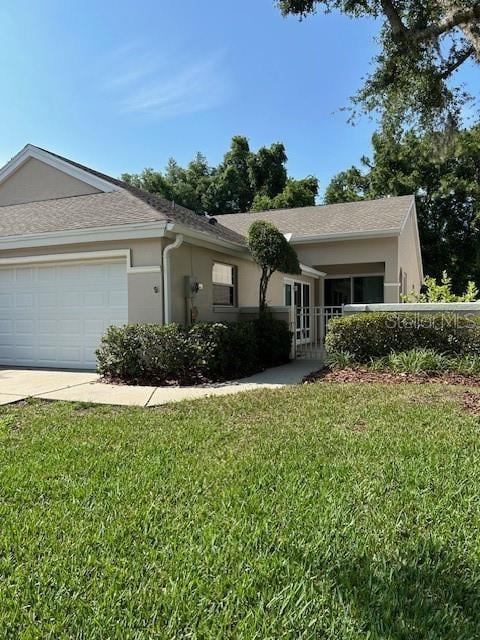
[96, 299]
[6, 300]
[7, 277]
[54, 316]
[23, 300]
[49, 299]
[48, 327]
[6, 327]
[25, 276]
[24, 327]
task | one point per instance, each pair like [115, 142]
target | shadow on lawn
[429, 594]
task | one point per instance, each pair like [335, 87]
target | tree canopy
[422, 45]
[243, 181]
[445, 177]
[272, 252]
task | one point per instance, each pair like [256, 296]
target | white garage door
[55, 315]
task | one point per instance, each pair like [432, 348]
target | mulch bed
[385, 377]
[471, 402]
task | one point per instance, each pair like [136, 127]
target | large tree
[243, 181]
[444, 176]
[422, 44]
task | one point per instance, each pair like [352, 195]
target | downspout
[167, 293]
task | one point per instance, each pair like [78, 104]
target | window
[368, 289]
[356, 289]
[223, 278]
[288, 294]
[338, 291]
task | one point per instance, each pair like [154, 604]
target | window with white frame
[224, 284]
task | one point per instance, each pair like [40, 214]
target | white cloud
[162, 86]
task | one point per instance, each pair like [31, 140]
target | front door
[297, 297]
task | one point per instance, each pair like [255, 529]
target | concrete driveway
[78, 386]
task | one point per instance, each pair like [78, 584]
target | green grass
[322, 511]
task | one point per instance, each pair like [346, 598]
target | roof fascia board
[417, 241]
[30, 151]
[80, 236]
[409, 212]
[79, 257]
[201, 239]
[348, 235]
[310, 271]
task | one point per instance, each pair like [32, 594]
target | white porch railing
[309, 328]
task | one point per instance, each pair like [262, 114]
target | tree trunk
[470, 30]
[264, 280]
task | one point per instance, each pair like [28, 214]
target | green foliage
[434, 292]
[427, 361]
[164, 354]
[242, 178]
[272, 252]
[417, 361]
[273, 339]
[340, 360]
[368, 336]
[267, 170]
[422, 44]
[468, 365]
[297, 193]
[348, 186]
[147, 354]
[444, 174]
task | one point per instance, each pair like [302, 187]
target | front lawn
[321, 511]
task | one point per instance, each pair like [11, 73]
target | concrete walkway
[19, 384]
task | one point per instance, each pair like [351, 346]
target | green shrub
[163, 354]
[367, 336]
[274, 340]
[140, 352]
[434, 292]
[224, 350]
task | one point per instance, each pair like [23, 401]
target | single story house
[80, 251]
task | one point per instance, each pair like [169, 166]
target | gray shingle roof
[78, 212]
[351, 217]
[127, 205]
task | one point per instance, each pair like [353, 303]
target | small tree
[271, 250]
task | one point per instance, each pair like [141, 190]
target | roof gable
[76, 180]
[108, 202]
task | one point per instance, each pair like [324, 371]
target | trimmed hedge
[374, 335]
[206, 351]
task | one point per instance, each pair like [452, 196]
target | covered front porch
[312, 305]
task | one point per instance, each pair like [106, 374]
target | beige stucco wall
[144, 289]
[145, 293]
[358, 255]
[408, 259]
[36, 180]
[197, 262]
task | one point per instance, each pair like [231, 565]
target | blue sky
[124, 85]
